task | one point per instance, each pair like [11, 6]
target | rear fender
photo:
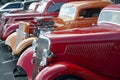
[11, 41]
[25, 63]
[63, 68]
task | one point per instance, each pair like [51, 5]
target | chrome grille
[43, 43]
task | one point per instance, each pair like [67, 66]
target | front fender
[25, 63]
[10, 29]
[18, 48]
[63, 68]
[11, 41]
[24, 44]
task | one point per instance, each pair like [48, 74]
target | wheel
[68, 77]
[9, 48]
[9, 51]
[19, 74]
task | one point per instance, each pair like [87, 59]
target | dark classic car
[77, 54]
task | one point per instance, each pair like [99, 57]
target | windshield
[41, 7]
[67, 11]
[109, 16]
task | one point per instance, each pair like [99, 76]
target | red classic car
[77, 54]
[47, 8]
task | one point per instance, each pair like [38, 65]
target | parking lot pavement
[6, 67]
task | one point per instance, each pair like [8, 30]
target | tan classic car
[79, 14]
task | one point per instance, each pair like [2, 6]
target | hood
[95, 29]
[65, 40]
[78, 36]
[81, 37]
[92, 33]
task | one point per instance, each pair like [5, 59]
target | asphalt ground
[6, 65]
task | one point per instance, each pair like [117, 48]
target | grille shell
[43, 43]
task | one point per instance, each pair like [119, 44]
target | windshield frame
[41, 8]
[64, 14]
[32, 6]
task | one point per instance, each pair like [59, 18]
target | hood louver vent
[90, 49]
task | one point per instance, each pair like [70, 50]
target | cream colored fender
[24, 44]
[16, 47]
[11, 41]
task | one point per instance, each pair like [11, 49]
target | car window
[92, 12]
[67, 11]
[55, 7]
[15, 5]
[109, 16]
